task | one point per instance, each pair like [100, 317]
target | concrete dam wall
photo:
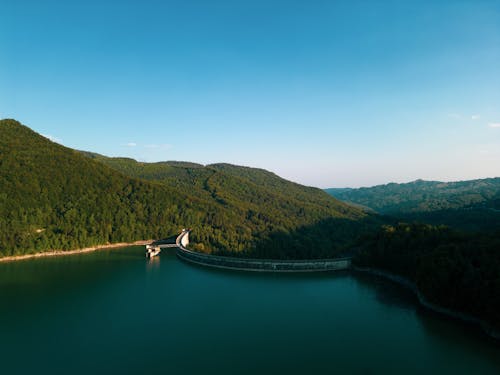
[269, 265]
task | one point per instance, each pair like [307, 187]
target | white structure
[185, 238]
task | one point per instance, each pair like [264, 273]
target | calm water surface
[113, 312]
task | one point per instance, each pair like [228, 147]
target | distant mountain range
[53, 197]
[471, 205]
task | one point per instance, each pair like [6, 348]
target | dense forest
[450, 247]
[453, 269]
[53, 197]
[236, 187]
[423, 196]
[467, 205]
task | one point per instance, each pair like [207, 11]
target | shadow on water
[388, 292]
[234, 321]
[335, 237]
[338, 237]
[436, 324]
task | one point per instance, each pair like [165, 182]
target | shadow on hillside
[470, 220]
[328, 238]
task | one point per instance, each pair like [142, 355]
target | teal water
[113, 312]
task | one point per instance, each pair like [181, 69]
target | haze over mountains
[468, 205]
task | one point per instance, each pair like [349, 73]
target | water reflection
[436, 325]
[388, 292]
[115, 306]
[153, 263]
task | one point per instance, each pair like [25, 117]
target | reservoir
[114, 312]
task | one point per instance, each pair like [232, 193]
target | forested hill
[53, 197]
[455, 270]
[259, 195]
[472, 205]
[423, 196]
[199, 178]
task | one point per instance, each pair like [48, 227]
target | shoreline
[52, 253]
[483, 325]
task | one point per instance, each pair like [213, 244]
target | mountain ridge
[467, 204]
[54, 197]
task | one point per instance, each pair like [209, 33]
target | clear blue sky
[326, 93]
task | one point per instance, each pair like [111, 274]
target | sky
[324, 93]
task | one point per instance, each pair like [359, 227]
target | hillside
[205, 181]
[182, 175]
[455, 270]
[53, 197]
[259, 197]
[471, 205]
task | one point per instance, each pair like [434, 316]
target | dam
[245, 264]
